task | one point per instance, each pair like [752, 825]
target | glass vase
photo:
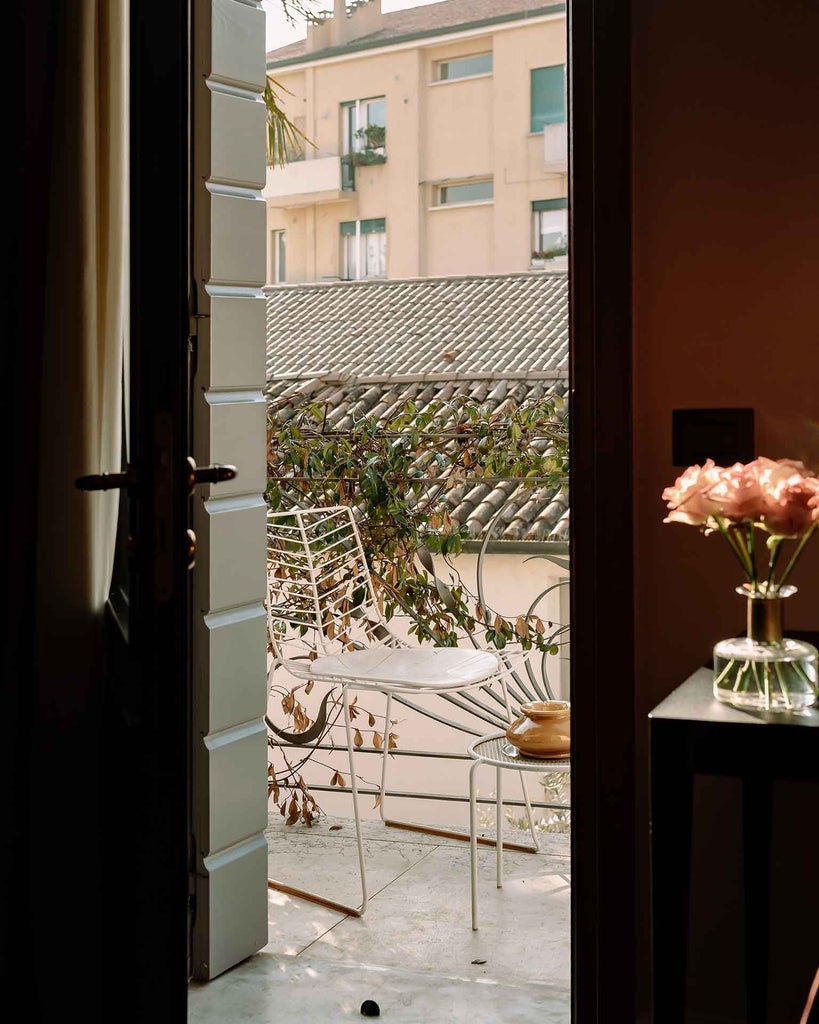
[765, 670]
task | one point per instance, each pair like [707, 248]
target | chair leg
[315, 897]
[384, 759]
[354, 787]
[473, 844]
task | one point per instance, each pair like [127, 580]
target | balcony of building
[555, 148]
[323, 179]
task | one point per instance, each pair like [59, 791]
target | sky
[279, 31]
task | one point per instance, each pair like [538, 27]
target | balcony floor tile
[414, 950]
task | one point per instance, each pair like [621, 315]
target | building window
[464, 67]
[550, 228]
[548, 96]
[363, 249]
[363, 125]
[278, 254]
[466, 192]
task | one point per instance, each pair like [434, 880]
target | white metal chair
[321, 599]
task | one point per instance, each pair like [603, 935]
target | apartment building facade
[437, 143]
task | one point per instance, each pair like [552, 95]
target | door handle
[162, 510]
[216, 473]
[107, 481]
[213, 474]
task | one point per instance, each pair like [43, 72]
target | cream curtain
[87, 313]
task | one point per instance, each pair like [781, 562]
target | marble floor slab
[414, 951]
[271, 988]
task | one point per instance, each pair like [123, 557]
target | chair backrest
[320, 590]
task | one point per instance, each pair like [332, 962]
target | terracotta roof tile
[313, 356]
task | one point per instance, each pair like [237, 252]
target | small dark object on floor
[370, 1008]
[478, 961]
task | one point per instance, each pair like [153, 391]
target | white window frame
[538, 216]
[440, 203]
[278, 265]
[354, 116]
[438, 64]
[354, 251]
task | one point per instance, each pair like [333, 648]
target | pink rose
[739, 493]
[771, 472]
[791, 505]
[688, 499]
[814, 504]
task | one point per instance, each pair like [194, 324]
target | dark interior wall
[726, 306]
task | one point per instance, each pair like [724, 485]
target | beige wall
[725, 151]
[435, 131]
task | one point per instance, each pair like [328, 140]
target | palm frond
[284, 139]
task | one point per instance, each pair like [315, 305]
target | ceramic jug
[542, 729]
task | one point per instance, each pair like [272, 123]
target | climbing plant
[398, 474]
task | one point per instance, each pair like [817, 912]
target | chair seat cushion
[413, 668]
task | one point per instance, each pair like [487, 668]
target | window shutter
[548, 95]
[549, 204]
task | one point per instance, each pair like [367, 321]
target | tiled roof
[448, 16]
[367, 347]
[503, 324]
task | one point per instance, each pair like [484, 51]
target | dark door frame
[603, 839]
[600, 423]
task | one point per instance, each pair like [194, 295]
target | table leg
[473, 845]
[671, 808]
[757, 795]
[499, 826]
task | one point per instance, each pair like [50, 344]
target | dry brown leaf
[358, 739]
[334, 828]
[341, 781]
[309, 686]
[378, 742]
[377, 803]
[393, 741]
[371, 720]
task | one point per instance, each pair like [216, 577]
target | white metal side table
[494, 749]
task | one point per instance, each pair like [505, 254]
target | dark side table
[691, 733]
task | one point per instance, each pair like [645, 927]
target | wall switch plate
[724, 435]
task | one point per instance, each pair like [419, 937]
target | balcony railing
[347, 173]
